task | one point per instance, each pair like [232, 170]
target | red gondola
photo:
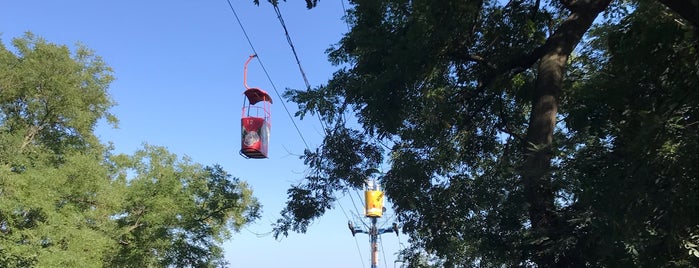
[256, 121]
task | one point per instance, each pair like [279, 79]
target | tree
[175, 212]
[55, 191]
[498, 121]
[67, 201]
[639, 139]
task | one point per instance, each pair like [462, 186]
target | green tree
[175, 212]
[67, 201]
[641, 136]
[509, 132]
[55, 191]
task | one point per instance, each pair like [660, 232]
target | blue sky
[179, 83]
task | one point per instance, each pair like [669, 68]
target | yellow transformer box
[374, 203]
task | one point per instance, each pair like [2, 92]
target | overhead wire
[393, 215]
[296, 56]
[291, 44]
[342, 2]
[258, 235]
[308, 87]
[344, 11]
[359, 250]
[266, 73]
[400, 253]
[357, 209]
[303, 73]
[383, 252]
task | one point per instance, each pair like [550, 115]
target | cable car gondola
[256, 121]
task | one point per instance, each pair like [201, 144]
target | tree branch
[568, 4]
[687, 9]
[31, 134]
[138, 223]
[515, 65]
[576, 6]
[535, 10]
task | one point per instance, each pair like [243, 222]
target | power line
[346, 14]
[357, 209]
[344, 11]
[389, 219]
[267, 73]
[308, 87]
[259, 235]
[383, 252]
[355, 238]
[360, 198]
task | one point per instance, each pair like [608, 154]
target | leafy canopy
[516, 134]
[67, 201]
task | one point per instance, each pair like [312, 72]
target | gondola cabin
[256, 121]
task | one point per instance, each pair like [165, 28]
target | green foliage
[641, 138]
[55, 192]
[448, 88]
[66, 201]
[177, 213]
[52, 96]
[343, 160]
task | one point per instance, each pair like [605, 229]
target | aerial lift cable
[303, 73]
[308, 87]
[374, 232]
[266, 73]
[278, 95]
[296, 56]
[291, 44]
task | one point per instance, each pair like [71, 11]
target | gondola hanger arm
[245, 71]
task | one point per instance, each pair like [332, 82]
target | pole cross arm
[385, 230]
[355, 230]
[392, 229]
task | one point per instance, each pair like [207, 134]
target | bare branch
[687, 9]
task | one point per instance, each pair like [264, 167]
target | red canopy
[256, 95]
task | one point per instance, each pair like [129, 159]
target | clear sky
[179, 83]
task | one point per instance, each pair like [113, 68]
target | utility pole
[373, 210]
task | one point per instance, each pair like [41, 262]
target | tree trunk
[539, 192]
